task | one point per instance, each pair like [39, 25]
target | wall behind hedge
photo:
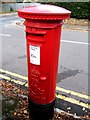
[79, 10]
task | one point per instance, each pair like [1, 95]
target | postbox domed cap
[44, 12]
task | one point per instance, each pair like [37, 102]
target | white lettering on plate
[34, 54]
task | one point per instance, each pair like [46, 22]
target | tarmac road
[73, 62]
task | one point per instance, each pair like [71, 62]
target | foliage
[79, 10]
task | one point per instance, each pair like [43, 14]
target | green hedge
[79, 10]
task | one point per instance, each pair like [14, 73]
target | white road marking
[5, 35]
[2, 18]
[74, 42]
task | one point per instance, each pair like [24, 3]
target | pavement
[72, 83]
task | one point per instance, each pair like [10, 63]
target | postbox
[43, 31]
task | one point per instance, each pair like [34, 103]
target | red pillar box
[43, 30]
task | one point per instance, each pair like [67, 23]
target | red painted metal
[43, 31]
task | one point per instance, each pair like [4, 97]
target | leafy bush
[79, 10]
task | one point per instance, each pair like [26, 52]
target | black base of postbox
[41, 112]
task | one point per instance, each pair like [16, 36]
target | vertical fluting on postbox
[43, 31]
